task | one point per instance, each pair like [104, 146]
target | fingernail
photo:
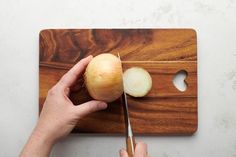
[90, 56]
[103, 105]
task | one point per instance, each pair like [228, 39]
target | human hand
[140, 151]
[59, 115]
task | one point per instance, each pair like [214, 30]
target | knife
[130, 141]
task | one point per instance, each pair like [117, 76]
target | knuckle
[93, 106]
[62, 80]
[141, 143]
[72, 74]
[52, 91]
[67, 90]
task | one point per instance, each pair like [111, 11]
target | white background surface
[215, 22]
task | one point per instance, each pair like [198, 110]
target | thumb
[123, 153]
[141, 149]
[90, 107]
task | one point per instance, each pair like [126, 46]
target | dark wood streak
[162, 52]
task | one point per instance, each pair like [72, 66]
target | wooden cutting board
[162, 52]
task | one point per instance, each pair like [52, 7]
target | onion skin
[103, 78]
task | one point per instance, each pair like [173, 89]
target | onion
[103, 78]
[137, 82]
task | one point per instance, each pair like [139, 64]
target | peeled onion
[103, 78]
[137, 82]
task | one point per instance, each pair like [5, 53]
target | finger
[89, 107]
[141, 150]
[71, 76]
[123, 153]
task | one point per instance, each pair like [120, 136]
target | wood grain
[163, 52]
[69, 46]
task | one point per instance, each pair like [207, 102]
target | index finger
[71, 76]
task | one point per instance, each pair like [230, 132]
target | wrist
[43, 136]
[38, 144]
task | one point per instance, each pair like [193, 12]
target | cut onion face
[137, 82]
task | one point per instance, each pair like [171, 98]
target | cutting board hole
[179, 80]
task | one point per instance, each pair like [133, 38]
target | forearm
[38, 145]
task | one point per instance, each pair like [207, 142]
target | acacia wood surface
[162, 52]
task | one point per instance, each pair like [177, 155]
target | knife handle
[130, 146]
